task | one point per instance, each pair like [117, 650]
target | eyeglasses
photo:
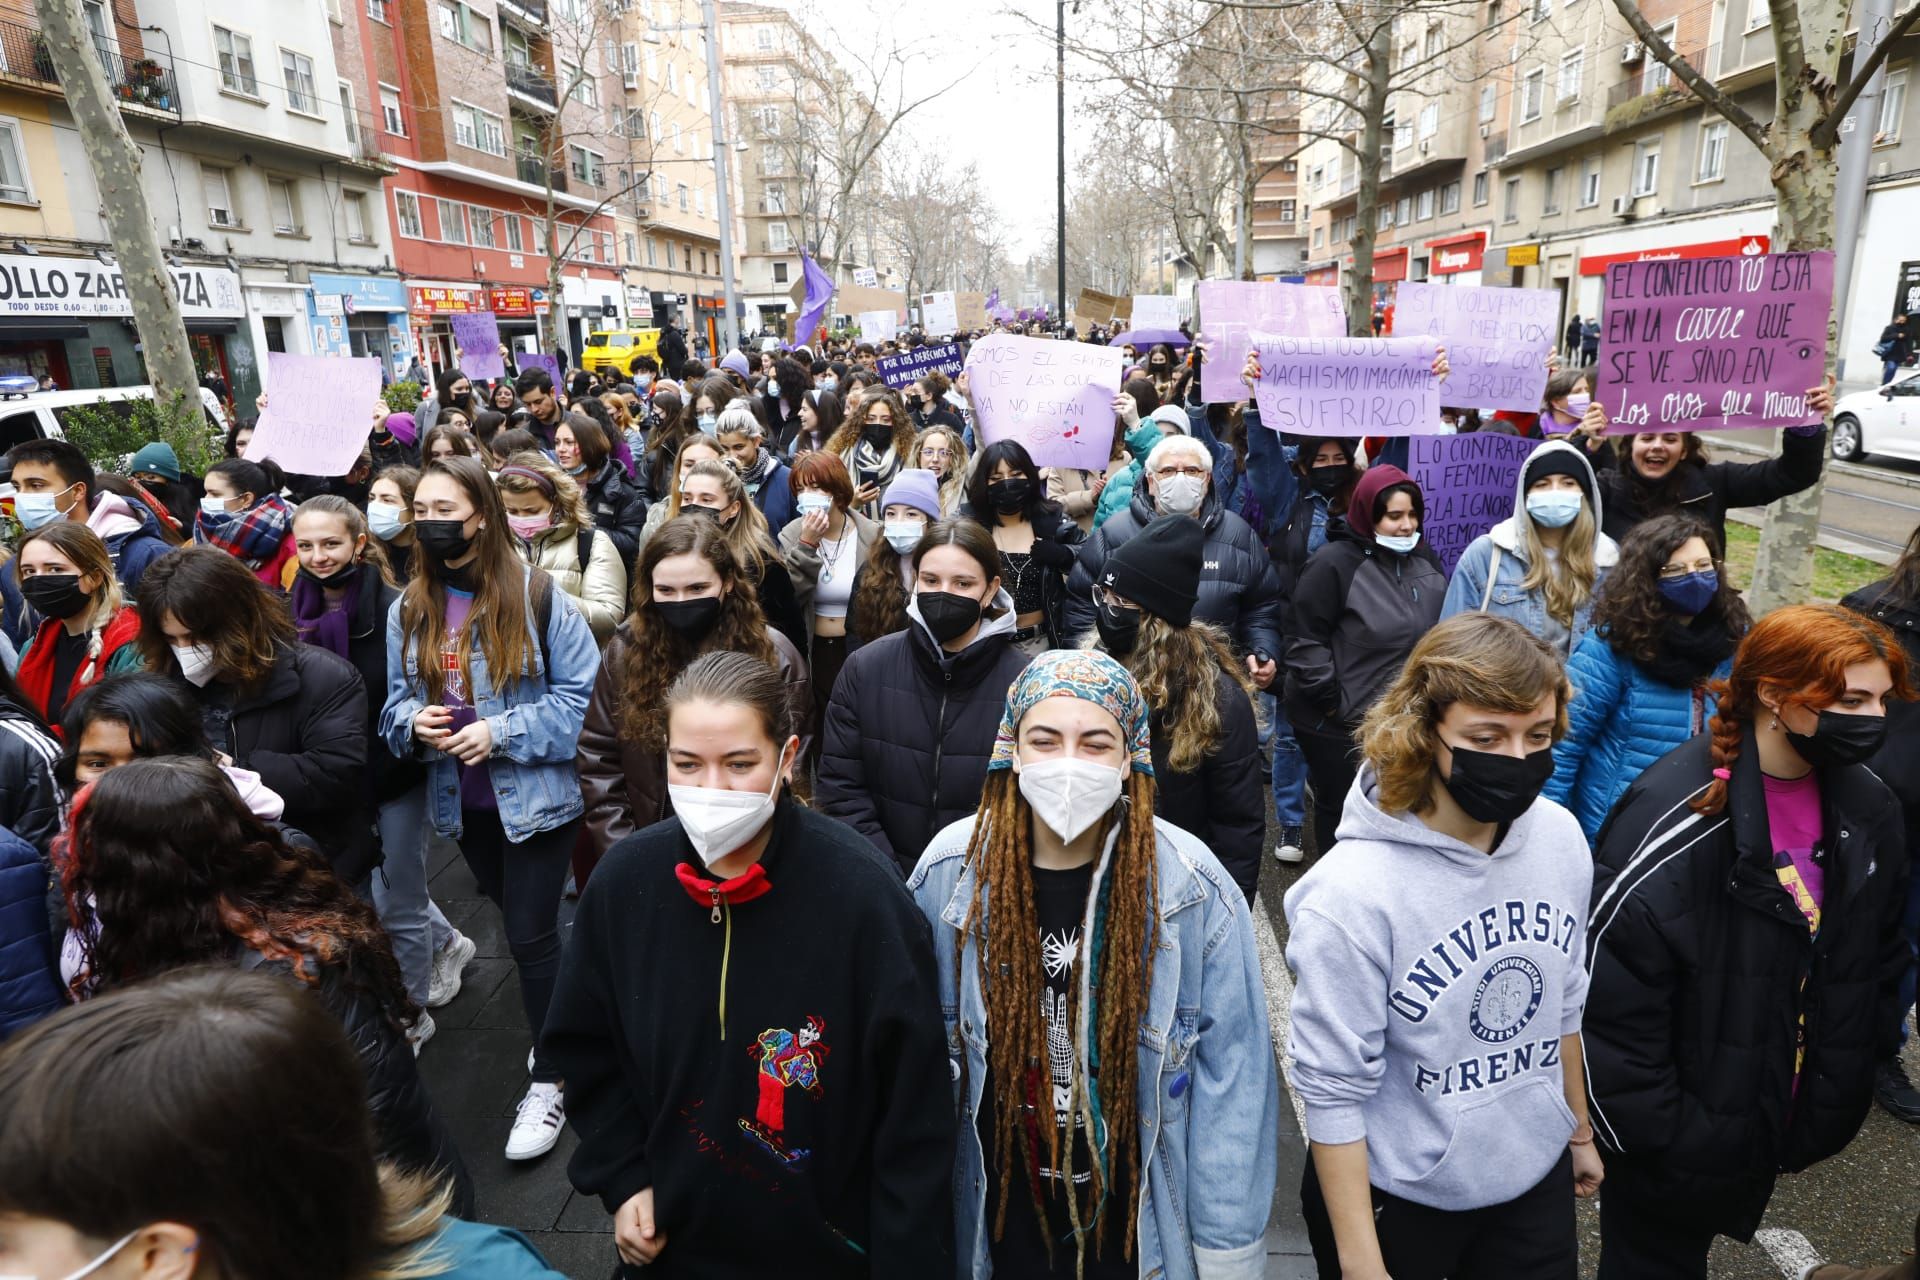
[1682, 570]
[931, 452]
[1197, 473]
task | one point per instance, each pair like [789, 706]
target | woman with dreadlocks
[1073, 928]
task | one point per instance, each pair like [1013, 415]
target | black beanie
[1158, 568]
[1557, 462]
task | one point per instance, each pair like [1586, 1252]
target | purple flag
[813, 310]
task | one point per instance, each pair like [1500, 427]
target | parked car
[43, 414]
[1885, 420]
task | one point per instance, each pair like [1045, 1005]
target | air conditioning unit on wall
[1632, 51]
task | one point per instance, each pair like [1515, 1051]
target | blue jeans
[1289, 766]
[400, 896]
[1887, 369]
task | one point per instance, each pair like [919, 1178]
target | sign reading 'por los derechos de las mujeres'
[36, 285]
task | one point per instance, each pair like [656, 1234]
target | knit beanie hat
[734, 362]
[403, 427]
[1172, 417]
[158, 458]
[1158, 568]
[1086, 674]
[1557, 461]
[914, 488]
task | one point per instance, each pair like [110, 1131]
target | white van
[40, 415]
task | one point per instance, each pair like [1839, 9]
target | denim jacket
[535, 724]
[1209, 1094]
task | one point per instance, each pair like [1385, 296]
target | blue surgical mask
[1690, 593]
[705, 422]
[829, 383]
[385, 520]
[34, 510]
[1554, 508]
[213, 506]
[1398, 543]
[810, 503]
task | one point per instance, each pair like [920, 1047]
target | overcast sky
[1002, 115]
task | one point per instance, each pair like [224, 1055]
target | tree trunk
[1366, 217]
[115, 161]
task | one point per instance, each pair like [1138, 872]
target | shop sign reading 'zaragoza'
[39, 285]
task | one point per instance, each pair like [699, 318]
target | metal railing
[23, 53]
[532, 11]
[533, 83]
[1653, 76]
[146, 81]
[531, 169]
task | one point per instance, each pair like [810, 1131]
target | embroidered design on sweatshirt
[788, 1060]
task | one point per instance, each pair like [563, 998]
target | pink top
[1793, 820]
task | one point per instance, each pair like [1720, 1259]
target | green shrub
[110, 431]
[401, 397]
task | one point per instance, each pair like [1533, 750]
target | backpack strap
[584, 548]
[1493, 571]
[542, 587]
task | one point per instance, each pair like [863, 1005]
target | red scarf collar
[35, 676]
[745, 887]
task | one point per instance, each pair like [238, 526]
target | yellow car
[612, 351]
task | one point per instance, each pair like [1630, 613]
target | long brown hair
[1797, 655]
[848, 435]
[1125, 935]
[656, 652]
[1629, 607]
[879, 605]
[1174, 667]
[499, 615]
[219, 600]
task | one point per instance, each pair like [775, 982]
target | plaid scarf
[253, 536]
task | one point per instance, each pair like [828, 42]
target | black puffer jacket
[908, 733]
[30, 800]
[1898, 762]
[1698, 959]
[1056, 541]
[1357, 612]
[1224, 800]
[304, 731]
[406, 1128]
[618, 509]
[1239, 590]
[1712, 489]
[387, 777]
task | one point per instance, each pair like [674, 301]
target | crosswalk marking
[1789, 1250]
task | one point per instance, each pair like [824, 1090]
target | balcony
[531, 170]
[1496, 147]
[532, 85]
[1560, 124]
[1653, 90]
[531, 14]
[144, 82]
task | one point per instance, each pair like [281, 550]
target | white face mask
[1181, 495]
[903, 535]
[1070, 795]
[196, 662]
[93, 1266]
[718, 822]
[1401, 543]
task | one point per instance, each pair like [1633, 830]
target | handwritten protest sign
[898, 371]
[319, 410]
[1054, 397]
[1695, 344]
[1095, 307]
[1347, 386]
[1156, 311]
[1497, 340]
[478, 337]
[877, 326]
[972, 311]
[534, 360]
[1231, 309]
[939, 313]
[1468, 482]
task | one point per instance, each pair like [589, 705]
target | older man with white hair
[1239, 590]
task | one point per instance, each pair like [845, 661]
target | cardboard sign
[1231, 309]
[1056, 398]
[1709, 344]
[478, 337]
[939, 313]
[972, 309]
[877, 326]
[1096, 307]
[534, 360]
[1497, 340]
[852, 299]
[898, 371]
[1156, 311]
[319, 410]
[1468, 483]
[1335, 386]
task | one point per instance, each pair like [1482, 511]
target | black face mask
[1326, 480]
[342, 577]
[57, 595]
[1837, 739]
[443, 539]
[1491, 787]
[695, 509]
[878, 434]
[691, 618]
[1119, 628]
[1009, 496]
[947, 615]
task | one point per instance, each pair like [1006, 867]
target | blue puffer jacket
[1621, 720]
[29, 984]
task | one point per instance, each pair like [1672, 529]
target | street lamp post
[728, 327]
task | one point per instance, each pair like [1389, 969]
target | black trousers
[1333, 759]
[1638, 1245]
[524, 880]
[1530, 1236]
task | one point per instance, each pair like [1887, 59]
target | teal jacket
[1118, 495]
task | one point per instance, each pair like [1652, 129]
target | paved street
[1869, 509]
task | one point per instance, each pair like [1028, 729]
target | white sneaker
[448, 961]
[1291, 848]
[420, 1032]
[537, 1123]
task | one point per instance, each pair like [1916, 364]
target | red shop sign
[1747, 246]
[440, 302]
[1324, 276]
[1459, 253]
[510, 302]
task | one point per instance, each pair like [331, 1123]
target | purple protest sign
[478, 337]
[534, 361]
[1497, 340]
[1709, 344]
[1231, 309]
[1468, 483]
[1056, 398]
[898, 371]
[1347, 386]
[319, 410]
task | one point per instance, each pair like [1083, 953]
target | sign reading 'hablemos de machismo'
[1714, 343]
[33, 285]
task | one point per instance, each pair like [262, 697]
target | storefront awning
[210, 326]
[32, 328]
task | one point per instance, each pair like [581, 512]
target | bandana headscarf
[1088, 675]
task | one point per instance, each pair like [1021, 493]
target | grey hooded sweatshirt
[1434, 982]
